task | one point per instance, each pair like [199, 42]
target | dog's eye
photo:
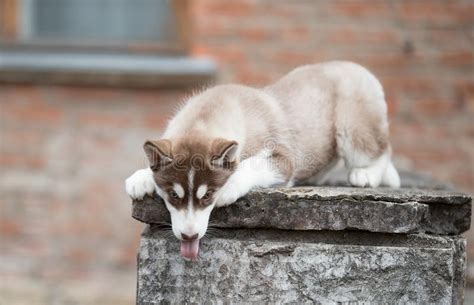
[207, 196]
[173, 195]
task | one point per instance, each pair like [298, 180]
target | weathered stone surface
[338, 177]
[313, 245]
[308, 267]
[335, 208]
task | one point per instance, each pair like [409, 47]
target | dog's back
[312, 116]
[328, 106]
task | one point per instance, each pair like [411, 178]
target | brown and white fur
[230, 139]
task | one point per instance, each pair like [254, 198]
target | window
[99, 42]
[140, 25]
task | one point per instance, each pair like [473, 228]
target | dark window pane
[100, 21]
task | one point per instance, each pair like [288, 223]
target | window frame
[154, 65]
[9, 33]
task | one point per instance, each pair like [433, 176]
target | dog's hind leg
[367, 167]
[362, 135]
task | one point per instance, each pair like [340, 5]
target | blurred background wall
[66, 235]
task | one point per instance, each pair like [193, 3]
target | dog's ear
[224, 152]
[158, 153]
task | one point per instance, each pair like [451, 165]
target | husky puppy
[230, 139]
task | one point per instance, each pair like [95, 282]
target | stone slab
[302, 267]
[381, 210]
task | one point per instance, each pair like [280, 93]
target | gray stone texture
[329, 208]
[311, 267]
[313, 245]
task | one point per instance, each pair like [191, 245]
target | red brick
[464, 180]
[128, 253]
[410, 85]
[253, 34]
[223, 54]
[447, 38]
[348, 36]
[295, 33]
[165, 99]
[99, 143]
[252, 77]
[285, 11]
[32, 114]
[10, 228]
[438, 12]
[465, 92]
[433, 107]
[87, 94]
[296, 58]
[96, 119]
[424, 157]
[30, 106]
[360, 8]
[27, 139]
[79, 255]
[211, 28]
[463, 59]
[155, 122]
[198, 50]
[392, 105]
[227, 8]
[404, 128]
[390, 61]
[21, 161]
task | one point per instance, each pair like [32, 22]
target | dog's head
[189, 175]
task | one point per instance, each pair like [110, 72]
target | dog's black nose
[187, 237]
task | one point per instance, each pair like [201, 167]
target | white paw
[391, 177]
[140, 183]
[364, 177]
[227, 197]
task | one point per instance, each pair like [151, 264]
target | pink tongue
[190, 248]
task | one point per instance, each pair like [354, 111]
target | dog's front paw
[140, 183]
[227, 197]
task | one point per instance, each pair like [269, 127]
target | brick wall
[65, 151]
